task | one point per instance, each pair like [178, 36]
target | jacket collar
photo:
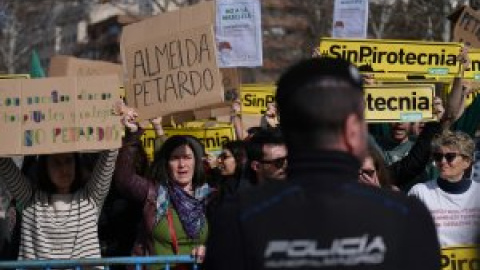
[313, 164]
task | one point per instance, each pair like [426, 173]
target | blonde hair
[456, 140]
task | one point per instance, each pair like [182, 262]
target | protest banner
[62, 65]
[172, 69]
[256, 97]
[55, 115]
[213, 138]
[466, 23]
[419, 57]
[399, 103]
[350, 19]
[239, 33]
[460, 258]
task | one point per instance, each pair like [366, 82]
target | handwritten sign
[55, 115]
[466, 26]
[172, 69]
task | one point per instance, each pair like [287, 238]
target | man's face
[274, 163]
[400, 132]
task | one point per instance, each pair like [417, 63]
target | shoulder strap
[171, 228]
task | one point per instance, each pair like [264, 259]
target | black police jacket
[322, 218]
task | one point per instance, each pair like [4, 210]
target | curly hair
[456, 140]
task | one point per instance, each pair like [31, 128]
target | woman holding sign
[173, 197]
[60, 214]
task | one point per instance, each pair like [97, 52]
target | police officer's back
[322, 218]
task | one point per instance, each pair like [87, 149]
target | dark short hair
[314, 99]
[261, 138]
[159, 167]
[45, 183]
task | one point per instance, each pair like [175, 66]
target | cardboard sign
[54, 115]
[399, 103]
[467, 26]
[434, 58]
[212, 138]
[460, 258]
[171, 63]
[61, 65]
[212, 113]
[256, 97]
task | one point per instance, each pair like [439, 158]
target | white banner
[350, 19]
[239, 33]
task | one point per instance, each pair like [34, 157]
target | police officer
[322, 218]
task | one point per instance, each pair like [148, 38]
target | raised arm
[18, 185]
[99, 183]
[126, 180]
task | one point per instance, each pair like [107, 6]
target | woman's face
[368, 173]
[226, 163]
[61, 170]
[182, 165]
[450, 163]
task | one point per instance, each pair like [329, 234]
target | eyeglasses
[277, 163]
[450, 157]
[368, 172]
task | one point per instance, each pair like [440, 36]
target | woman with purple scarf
[173, 195]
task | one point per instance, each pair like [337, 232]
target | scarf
[190, 209]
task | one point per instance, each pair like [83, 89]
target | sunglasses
[277, 163]
[449, 157]
[368, 172]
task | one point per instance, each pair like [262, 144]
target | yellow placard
[474, 72]
[14, 76]
[213, 138]
[256, 97]
[460, 258]
[434, 58]
[399, 103]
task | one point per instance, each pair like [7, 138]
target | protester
[398, 144]
[232, 163]
[173, 194]
[230, 174]
[267, 156]
[374, 172]
[60, 214]
[452, 197]
[322, 217]
[269, 118]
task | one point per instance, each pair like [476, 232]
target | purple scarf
[190, 210]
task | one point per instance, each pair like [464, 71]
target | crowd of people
[309, 188]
